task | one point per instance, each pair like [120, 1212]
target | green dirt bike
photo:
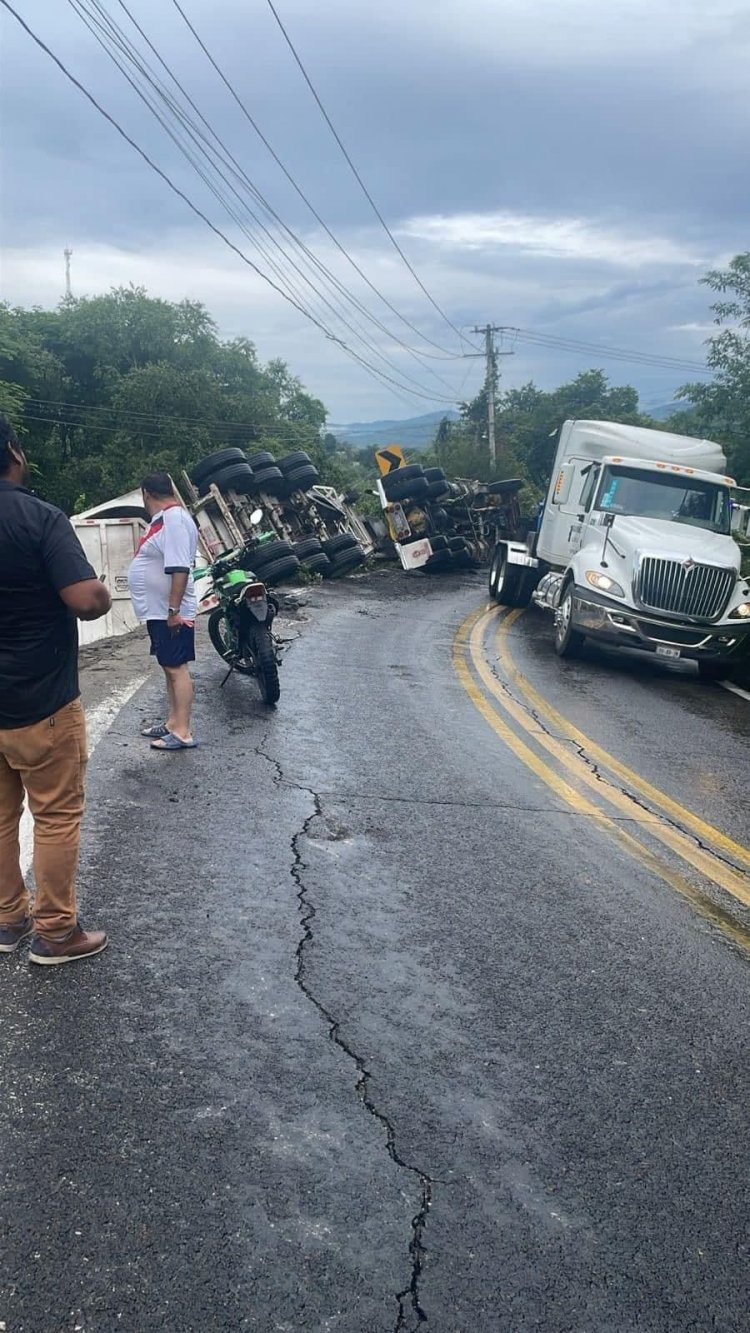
[240, 626]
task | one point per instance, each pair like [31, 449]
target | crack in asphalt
[411, 1315]
[593, 768]
[409, 1303]
[280, 780]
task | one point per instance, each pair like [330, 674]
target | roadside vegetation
[107, 387]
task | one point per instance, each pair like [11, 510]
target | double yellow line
[520, 716]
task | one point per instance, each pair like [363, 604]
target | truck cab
[635, 548]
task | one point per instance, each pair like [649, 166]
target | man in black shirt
[45, 583]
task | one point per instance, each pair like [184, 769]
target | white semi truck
[633, 547]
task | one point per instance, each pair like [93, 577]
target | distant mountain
[660, 411]
[413, 433]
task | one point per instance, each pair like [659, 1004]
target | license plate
[663, 651]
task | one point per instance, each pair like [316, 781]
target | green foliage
[526, 425]
[107, 388]
[720, 409]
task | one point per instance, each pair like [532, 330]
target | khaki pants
[48, 760]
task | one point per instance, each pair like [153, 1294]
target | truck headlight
[603, 583]
[741, 612]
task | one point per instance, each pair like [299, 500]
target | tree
[106, 388]
[721, 409]
[527, 420]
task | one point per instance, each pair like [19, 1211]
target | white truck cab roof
[605, 439]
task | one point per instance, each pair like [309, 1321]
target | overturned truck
[437, 524]
[316, 530]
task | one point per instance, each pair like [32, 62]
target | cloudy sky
[566, 166]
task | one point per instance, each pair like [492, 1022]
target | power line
[150, 418]
[448, 356]
[114, 34]
[358, 177]
[194, 207]
[611, 353]
[228, 157]
[126, 47]
[154, 418]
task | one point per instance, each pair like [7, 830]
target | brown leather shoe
[79, 943]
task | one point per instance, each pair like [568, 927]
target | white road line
[735, 689]
[98, 723]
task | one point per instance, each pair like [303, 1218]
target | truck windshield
[678, 499]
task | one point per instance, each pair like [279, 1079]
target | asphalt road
[426, 1007]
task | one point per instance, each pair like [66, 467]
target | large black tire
[298, 459]
[708, 670]
[238, 477]
[439, 543]
[279, 571]
[267, 555]
[317, 564]
[415, 488]
[214, 462]
[458, 545]
[261, 459]
[401, 476]
[345, 562]
[510, 585]
[271, 480]
[343, 542]
[568, 640]
[260, 648]
[309, 546]
[436, 490]
[434, 474]
[221, 637]
[302, 478]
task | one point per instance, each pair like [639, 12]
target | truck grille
[685, 589]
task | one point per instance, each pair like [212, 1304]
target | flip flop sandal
[155, 733]
[171, 742]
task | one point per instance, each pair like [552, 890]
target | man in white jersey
[163, 595]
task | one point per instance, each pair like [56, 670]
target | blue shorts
[171, 648]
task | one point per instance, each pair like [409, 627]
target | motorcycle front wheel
[260, 648]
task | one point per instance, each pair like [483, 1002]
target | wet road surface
[418, 1014]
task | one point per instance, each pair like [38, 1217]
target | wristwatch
[173, 611]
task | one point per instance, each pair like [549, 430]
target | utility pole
[491, 355]
[68, 256]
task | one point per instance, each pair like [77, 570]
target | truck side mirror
[609, 520]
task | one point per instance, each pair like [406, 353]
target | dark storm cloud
[620, 116]
[432, 128]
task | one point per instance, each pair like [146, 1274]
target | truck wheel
[510, 585]
[302, 478]
[215, 462]
[308, 546]
[568, 640]
[298, 459]
[494, 572]
[257, 558]
[269, 479]
[317, 564]
[262, 459]
[712, 670]
[345, 562]
[277, 571]
[344, 541]
[237, 477]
